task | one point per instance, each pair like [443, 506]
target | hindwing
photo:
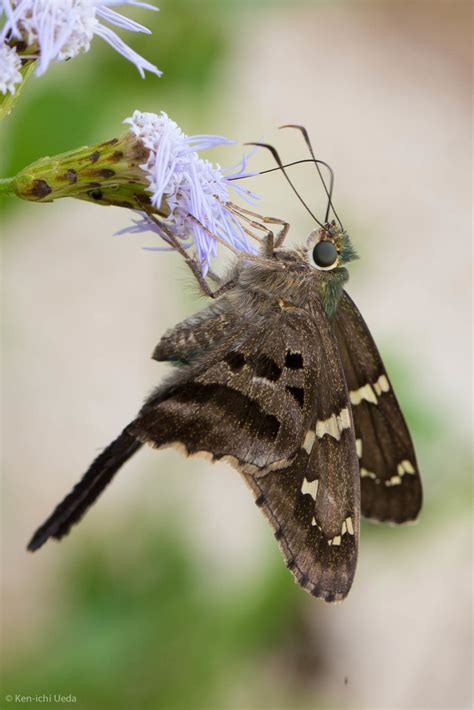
[319, 542]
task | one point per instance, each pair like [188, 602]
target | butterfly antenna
[329, 191]
[286, 165]
[272, 170]
[282, 168]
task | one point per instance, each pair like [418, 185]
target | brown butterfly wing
[390, 480]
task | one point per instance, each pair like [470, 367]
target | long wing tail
[89, 488]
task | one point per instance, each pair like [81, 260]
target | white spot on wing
[403, 467]
[345, 419]
[407, 466]
[347, 527]
[382, 385]
[367, 474]
[309, 441]
[334, 425]
[366, 392]
[359, 447]
[310, 487]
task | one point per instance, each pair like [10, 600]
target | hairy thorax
[289, 280]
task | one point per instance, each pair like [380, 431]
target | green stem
[7, 186]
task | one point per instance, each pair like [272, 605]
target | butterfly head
[329, 248]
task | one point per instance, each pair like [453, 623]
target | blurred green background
[172, 592]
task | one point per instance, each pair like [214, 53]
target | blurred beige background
[384, 90]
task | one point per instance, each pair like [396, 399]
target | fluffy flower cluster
[195, 191]
[10, 65]
[55, 30]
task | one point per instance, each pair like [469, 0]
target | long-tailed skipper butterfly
[280, 377]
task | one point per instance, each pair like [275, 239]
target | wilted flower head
[55, 30]
[195, 191]
[10, 65]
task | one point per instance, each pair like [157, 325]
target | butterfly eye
[324, 254]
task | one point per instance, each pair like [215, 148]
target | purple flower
[60, 29]
[196, 192]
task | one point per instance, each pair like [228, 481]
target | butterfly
[280, 377]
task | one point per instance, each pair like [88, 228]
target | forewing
[390, 480]
[313, 505]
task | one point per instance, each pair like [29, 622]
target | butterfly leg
[269, 236]
[282, 233]
[223, 288]
[280, 237]
[203, 283]
[192, 263]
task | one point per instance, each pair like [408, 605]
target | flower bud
[108, 173]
